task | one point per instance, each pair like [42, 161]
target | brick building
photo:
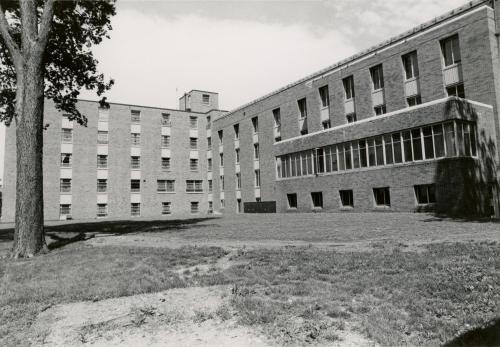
[411, 124]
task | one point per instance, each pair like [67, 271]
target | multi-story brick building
[410, 124]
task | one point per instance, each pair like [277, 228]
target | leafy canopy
[69, 64]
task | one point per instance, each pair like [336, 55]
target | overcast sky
[241, 49]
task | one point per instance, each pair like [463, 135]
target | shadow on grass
[61, 235]
[464, 219]
[484, 336]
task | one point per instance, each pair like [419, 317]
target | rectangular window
[425, 194]
[324, 97]
[221, 159]
[414, 100]
[165, 164]
[348, 83]
[135, 186]
[372, 161]
[277, 117]
[237, 155]
[236, 128]
[210, 207]
[255, 125]
[388, 149]
[328, 159]
[355, 155]
[428, 143]
[326, 125]
[396, 145]
[195, 207]
[193, 143]
[351, 118]
[456, 90]
[161, 186]
[102, 185]
[102, 137]
[135, 162]
[363, 153]
[379, 110]
[135, 139]
[320, 160]
[256, 151]
[417, 144]
[302, 103]
[65, 185]
[410, 64]
[165, 119]
[102, 210]
[66, 159]
[102, 161]
[193, 164]
[193, 122]
[222, 203]
[209, 164]
[220, 136]
[166, 208]
[407, 146]
[257, 178]
[135, 209]
[377, 74]
[347, 156]
[65, 210]
[67, 135]
[379, 150]
[438, 140]
[210, 186]
[170, 186]
[238, 205]
[209, 122]
[238, 181]
[135, 116]
[450, 48]
[382, 196]
[209, 142]
[194, 186]
[165, 141]
[205, 98]
[450, 140]
[292, 200]
[346, 198]
[221, 180]
[317, 199]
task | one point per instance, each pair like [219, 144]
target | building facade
[411, 124]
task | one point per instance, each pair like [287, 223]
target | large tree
[45, 52]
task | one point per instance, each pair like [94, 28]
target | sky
[241, 49]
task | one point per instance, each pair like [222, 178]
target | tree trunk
[29, 238]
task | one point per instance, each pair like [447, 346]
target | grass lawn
[391, 293]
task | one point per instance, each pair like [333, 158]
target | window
[220, 136]
[210, 207]
[236, 128]
[166, 208]
[210, 186]
[257, 178]
[193, 143]
[450, 48]
[377, 74]
[193, 122]
[165, 119]
[67, 135]
[102, 210]
[256, 151]
[324, 97]
[102, 161]
[135, 116]
[379, 110]
[209, 164]
[348, 83]
[382, 196]
[162, 186]
[65, 185]
[135, 162]
[205, 98]
[221, 159]
[66, 159]
[135, 186]
[170, 186]
[209, 122]
[456, 90]
[414, 100]
[346, 198]
[135, 209]
[194, 186]
[209, 142]
[255, 125]
[102, 185]
[221, 178]
[292, 200]
[165, 164]
[238, 181]
[302, 103]
[238, 205]
[222, 204]
[165, 141]
[351, 118]
[237, 155]
[317, 199]
[258, 200]
[193, 164]
[425, 194]
[326, 125]
[136, 139]
[277, 117]
[410, 65]
[102, 137]
[65, 210]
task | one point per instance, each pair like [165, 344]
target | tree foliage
[69, 64]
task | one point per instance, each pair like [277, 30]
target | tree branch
[46, 23]
[9, 41]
